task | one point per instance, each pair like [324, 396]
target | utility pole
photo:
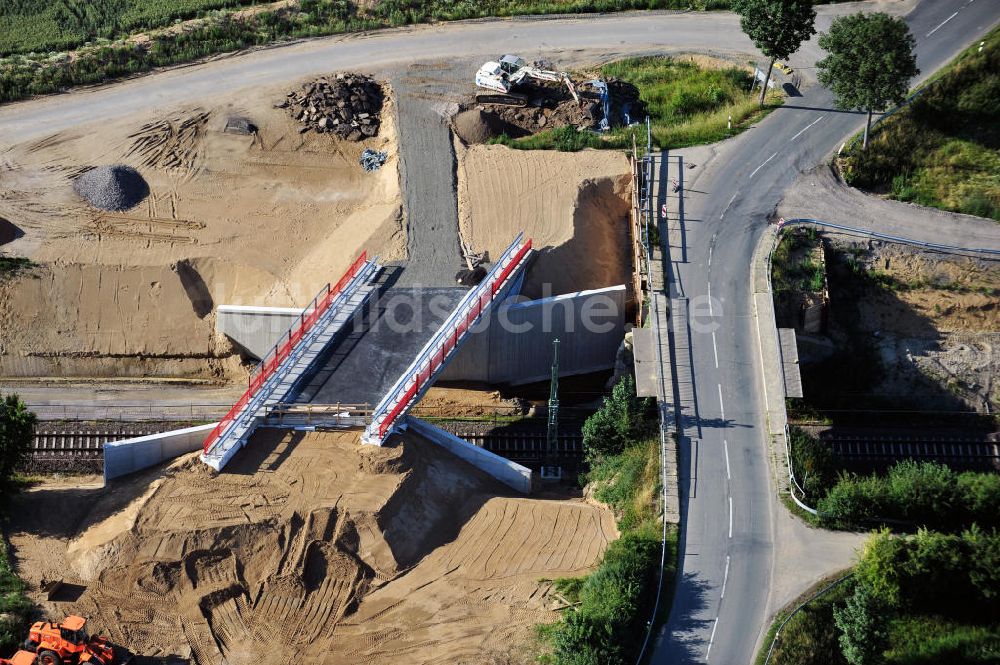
[550, 467]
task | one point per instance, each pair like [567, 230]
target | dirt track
[310, 549]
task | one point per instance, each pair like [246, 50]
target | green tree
[869, 64]
[813, 463]
[777, 28]
[622, 419]
[864, 627]
[17, 426]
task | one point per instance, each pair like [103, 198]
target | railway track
[514, 444]
[881, 448]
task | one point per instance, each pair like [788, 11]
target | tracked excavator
[504, 76]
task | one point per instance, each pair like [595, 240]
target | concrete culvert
[115, 187]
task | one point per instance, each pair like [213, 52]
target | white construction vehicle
[505, 75]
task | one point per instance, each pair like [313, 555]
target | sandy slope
[311, 549]
[230, 219]
[573, 205]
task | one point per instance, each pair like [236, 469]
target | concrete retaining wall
[256, 329]
[516, 346]
[509, 473]
[129, 455]
[513, 346]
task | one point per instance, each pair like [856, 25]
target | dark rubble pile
[348, 105]
[550, 106]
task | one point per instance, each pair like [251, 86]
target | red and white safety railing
[439, 350]
[281, 350]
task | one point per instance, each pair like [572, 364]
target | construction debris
[348, 105]
[372, 160]
[115, 188]
[550, 106]
[240, 125]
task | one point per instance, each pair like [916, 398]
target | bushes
[812, 461]
[615, 601]
[17, 427]
[924, 494]
[949, 574]
[15, 608]
[614, 604]
[622, 420]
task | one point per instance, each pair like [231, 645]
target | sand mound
[311, 548]
[477, 126]
[115, 188]
[574, 206]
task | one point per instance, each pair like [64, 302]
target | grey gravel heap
[348, 105]
[114, 188]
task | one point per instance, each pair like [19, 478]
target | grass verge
[15, 607]
[688, 104]
[612, 605]
[943, 149]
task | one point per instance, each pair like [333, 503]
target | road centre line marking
[803, 130]
[715, 350]
[762, 165]
[725, 445]
[730, 515]
[710, 299]
[721, 405]
[730, 204]
[941, 25]
[711, 638]
[725, 578]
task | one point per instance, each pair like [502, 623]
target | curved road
[721, 601]
[728, 519]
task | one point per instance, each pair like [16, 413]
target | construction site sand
[235, 219]
[309, 549]
[574, 206]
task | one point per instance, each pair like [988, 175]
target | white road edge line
[711, 638]
[762, 165]
[722, 406]
[715, 350]
[725, 578]
[730, 515]
[801, 132]
[725, 445]
[941, 25]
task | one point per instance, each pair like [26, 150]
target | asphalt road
[719, 608]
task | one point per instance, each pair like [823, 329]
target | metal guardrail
[953, 249]
[662, 406]
[281, 350]
[432, 359]
[821, 592]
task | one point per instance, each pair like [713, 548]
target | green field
[943, 150]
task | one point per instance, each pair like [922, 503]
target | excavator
[68, 643]
[510, 71]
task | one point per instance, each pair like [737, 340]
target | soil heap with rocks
[348, 105]
[550, 106]
[114, 188]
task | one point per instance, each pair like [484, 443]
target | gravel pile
[348, 105]
[479, 126]
[115, 188]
